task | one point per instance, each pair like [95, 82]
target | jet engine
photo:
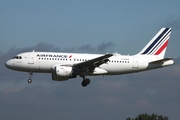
[62, 73]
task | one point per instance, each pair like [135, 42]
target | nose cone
[8, 64]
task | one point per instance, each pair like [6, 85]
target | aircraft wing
[89, 66]
[96, 61]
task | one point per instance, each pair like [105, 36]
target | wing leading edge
[90, 65]
[96, 61]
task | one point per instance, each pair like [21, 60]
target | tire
[85, 82]
[29, 81]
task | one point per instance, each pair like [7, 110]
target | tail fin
[158, 44]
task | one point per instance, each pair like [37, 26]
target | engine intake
[62, 73]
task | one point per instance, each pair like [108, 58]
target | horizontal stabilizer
[161, 60]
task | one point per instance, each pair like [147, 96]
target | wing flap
[91, 65]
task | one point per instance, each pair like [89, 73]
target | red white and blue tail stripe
[158, 44]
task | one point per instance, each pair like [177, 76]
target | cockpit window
[17, 57]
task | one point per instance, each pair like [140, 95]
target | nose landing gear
[30, 77]
[29, 80]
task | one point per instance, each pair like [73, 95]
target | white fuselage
[43, 62]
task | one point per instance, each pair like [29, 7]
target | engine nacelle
[62, 73]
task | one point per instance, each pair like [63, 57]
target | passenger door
[31, 58]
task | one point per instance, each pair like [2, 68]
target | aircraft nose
[8, 64]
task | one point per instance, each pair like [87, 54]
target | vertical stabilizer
[158, 44]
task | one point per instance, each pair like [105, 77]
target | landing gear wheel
[30, 77]
[29, 81]
[85, 82]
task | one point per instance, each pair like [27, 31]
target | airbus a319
[64, 66]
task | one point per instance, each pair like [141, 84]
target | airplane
[64, 66]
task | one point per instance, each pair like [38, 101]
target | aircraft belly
[117, 69]
[40, 67]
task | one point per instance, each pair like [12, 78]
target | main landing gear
[85, 81]
[30, 77]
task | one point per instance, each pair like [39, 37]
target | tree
[145, 116]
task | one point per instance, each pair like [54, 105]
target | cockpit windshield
[17, 57]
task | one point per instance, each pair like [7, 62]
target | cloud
[87, 48]
[46, 47]
[83, 48]
[108, 97]
[104, 46]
